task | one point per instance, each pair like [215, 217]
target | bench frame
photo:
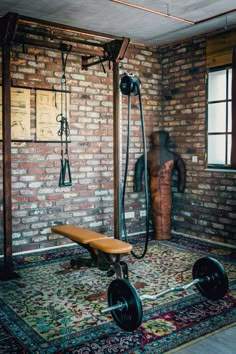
[104, 261]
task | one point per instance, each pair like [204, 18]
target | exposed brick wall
[174, 98]
[38, 202]
[207, 209]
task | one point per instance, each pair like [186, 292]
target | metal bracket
[117, 49]
[86, 64]
[65, 47]
[113, 51]
[8, 27]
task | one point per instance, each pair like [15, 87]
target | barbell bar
[125, 304]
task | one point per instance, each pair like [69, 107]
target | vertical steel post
[6, 122]
[9, 23]
[117, 156]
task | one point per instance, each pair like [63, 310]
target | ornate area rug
[46, 311]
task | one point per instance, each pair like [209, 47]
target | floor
[223, 342]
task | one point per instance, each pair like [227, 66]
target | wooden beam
[219, 50]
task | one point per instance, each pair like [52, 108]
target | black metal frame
[114, 51]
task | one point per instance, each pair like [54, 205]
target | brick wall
[207, 209]
[174, 98]
[38, 202]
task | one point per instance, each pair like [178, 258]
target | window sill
[223, 170]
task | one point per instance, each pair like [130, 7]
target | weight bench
[105, 252]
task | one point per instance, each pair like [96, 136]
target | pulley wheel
[213, 282]
[129, 317]
[130, 85]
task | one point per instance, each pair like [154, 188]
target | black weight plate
[130, 316]
[214, 281]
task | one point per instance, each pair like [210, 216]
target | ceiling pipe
[126, 3]
[214, 17]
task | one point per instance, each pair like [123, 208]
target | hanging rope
[130, 85]
[65, 178]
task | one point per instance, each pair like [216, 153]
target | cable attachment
[65, 50]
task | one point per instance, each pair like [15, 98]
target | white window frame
[222, 134]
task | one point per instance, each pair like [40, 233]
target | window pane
[229, 149]
[230, 117]
[216, 149]
[217, 85]
[217, 117]
[230, 84]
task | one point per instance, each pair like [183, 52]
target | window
[219, 132]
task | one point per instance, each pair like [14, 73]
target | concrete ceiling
[140, 26]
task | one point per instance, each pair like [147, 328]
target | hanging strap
[65, 178]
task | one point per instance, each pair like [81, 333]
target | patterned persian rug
[46, 311]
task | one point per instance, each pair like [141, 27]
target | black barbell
[125, 304]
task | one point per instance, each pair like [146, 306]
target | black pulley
[129, 315]
[213, 281]
[130, 85]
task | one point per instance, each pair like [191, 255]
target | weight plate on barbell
[129, 317]
[213, 282]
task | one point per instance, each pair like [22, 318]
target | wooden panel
[219, 50]
[49, 107]
[20, 114]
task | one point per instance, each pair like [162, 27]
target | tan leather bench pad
[77, 234]
[111, 246]
[94, 239]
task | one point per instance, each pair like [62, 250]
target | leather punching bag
[160, 163]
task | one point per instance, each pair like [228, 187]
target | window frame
[226, 133]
